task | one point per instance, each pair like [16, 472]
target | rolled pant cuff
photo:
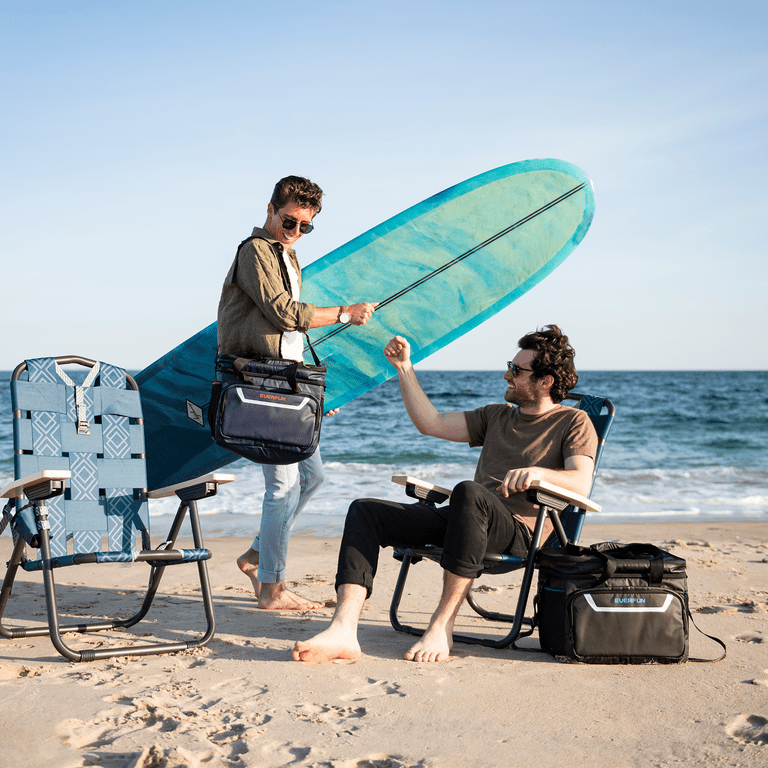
[362, 578]
[270, 577]
[460, 567]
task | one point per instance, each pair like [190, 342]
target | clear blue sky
[140, 142]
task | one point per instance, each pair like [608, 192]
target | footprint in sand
[210, 725]
[750, 729]
[373, 688]
[240, 685]
[388, 761]
[11, 672]
[328, 715]
[749, 639]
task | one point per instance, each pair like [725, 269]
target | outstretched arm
[359, 314]
[424, 415]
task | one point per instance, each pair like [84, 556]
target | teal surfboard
[438, 269]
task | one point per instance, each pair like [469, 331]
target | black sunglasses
[290, 223]
[516, 368]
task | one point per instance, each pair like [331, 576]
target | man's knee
[467, 489]
[312, 483]
[364, 511]
[468, 499]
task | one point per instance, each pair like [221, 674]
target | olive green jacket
[256, 306]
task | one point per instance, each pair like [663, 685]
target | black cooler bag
[612, 604]
[269, 410]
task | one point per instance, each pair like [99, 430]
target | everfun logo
[271, 397]
[628, 599]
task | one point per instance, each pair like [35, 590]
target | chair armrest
[17, 489]
[217, 478]
[421, 489]
[577, 500]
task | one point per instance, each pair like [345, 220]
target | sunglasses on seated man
[516, 368]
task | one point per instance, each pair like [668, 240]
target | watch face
[344, 317]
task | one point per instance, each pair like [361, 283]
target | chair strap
[83, 425]
[8, 514]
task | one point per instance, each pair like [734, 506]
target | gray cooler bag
[612, 604]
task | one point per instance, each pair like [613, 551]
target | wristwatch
[344, 317]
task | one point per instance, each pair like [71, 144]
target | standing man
[260, 314]
[531, 437]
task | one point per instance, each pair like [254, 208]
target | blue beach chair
[80, 495]
[565, 509]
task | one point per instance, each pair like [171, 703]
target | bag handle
[648, 555]
[289, 371]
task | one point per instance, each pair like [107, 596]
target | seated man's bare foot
[277, 597]
[435, 645]
[332, 643]
[248, 563]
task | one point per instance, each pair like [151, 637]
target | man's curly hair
[298, 190]
[553, 357]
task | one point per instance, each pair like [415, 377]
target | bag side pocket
[213, 407]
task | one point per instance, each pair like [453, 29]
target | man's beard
[519, 397]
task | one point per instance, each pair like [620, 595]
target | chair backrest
[95, 430]
[601, 412]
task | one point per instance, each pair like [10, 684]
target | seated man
[538, 440]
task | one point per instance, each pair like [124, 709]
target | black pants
[473, 523]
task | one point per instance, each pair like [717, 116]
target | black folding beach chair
[565, 509]
[80, 495]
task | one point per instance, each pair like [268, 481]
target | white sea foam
[657, 495]
[650, 496]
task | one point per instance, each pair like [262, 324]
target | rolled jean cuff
[460, 567]
[270, 577]
[362, 578]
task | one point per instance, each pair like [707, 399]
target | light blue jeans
[288, 489]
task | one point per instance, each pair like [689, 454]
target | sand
[243, 701]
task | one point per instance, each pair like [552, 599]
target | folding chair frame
[49, 483]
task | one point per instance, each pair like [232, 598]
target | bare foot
[248, 563]
[332, 643]
[435, 645]
[277, 597]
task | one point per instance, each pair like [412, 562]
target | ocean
[685, 446]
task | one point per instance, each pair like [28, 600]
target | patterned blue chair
[80, 495]
[565, 509]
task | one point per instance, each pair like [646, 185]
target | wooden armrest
[421, 489]
[408, 480]
[214, 477]
[577, 500]
[15, 490]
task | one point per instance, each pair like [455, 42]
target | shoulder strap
[283, 269]
[711, 637]
[283, 272]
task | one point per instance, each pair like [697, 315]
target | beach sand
[243, 701]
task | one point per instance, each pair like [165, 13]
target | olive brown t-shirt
[513, 440]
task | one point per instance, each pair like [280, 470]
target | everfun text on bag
[613, 604]
[269, 411]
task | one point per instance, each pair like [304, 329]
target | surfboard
[438, 269]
